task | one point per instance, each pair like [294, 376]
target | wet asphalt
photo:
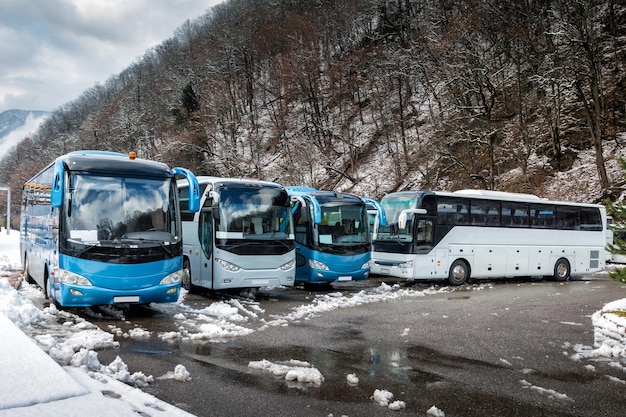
[492, 348]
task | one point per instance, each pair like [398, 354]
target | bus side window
[452, 211]
[542, 216]
[515, 214]
[590, 219]
[462, 215]
[567, 218]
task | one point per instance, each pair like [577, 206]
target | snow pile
[218, 322]
[139, 333]
[352, 379]
[384, 398]
[293, 370]
[225, 320]
[180, 374]
[20, 310]
[609, 336]
[328, 302]
[435, 412]
[550, 393]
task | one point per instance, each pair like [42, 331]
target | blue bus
[241, 238]
[332, 235]
[104, 228]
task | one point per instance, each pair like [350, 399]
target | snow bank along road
[523, 348]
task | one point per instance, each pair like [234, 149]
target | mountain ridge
[369, 97]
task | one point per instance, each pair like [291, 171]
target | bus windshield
[254, 213]
[343, 225]
[106, 209]
[393, 206]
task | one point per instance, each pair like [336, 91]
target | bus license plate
[126, 299]
[344, 278]
[385, 271]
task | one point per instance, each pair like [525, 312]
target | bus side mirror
[402, 219]
[380, 211]
[194, 188]
[56, 195]
[215, 212]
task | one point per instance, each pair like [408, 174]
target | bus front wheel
[459, 272]
[562, 270]
[186, 284]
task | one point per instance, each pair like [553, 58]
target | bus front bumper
[319, 276]
[82, 296]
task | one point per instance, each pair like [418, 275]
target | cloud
[52, 50]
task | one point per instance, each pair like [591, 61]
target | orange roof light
[132, 155]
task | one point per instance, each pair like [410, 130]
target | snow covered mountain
[15, 125]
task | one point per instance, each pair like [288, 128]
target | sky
[60, 346]
[53, 50]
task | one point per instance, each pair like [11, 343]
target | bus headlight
[366, 265]
[70, 278]
[289, 265]
[407, 264]
[174, 277]
[227, 265]
[318, 265]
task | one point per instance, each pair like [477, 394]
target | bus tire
[459, 272]
[27, 276]
[562, 270]
[48, 291]
[46, 286]
[186, 283]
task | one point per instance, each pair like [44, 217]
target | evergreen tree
[190, 104]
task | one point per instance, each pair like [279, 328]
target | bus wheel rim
[458, 272]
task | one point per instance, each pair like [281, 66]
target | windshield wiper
[80, 253]
[160, 242]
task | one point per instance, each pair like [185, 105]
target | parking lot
[490, 348]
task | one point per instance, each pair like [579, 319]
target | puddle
[375, 368]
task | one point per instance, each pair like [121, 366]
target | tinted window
[485, 213]
[567, 218]
[515, 214]
[590, 218]
[452, 211]
[542, 216]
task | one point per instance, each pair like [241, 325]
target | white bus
[482, 234]
[242, 237]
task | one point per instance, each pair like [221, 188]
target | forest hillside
[369, 97]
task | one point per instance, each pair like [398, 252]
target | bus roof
[321, 195]
[114, 163]
[487, 195]
[202, 179]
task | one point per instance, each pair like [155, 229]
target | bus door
[424, 237]
[205, 235]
